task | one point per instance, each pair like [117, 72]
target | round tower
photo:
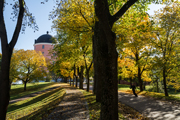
[44, 44]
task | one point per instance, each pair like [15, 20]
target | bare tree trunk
[130, 81]
[4, 85]
[7, 48]
[107, 64]
[87, 76]
[25, 85]
[76, 80]
[157, 86]
[81, 77]
[139, 79]
[107, 54]
[65, 79]
[164, 82]
[97, 70]
[70, 81]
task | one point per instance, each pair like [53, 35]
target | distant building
[44, 44]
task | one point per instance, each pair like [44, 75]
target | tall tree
[105, 47]
[138, 38]
[23, 18]
[31, 65]
[167, 42]
[75, 20]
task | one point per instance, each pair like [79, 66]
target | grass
[35, 107]
[17, 91]
[173, 97]
[124, 112]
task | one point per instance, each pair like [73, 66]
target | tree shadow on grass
[15, 106]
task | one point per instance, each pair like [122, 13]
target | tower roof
[45, 38]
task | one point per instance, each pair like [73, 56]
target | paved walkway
[72, 107]
[151, 108]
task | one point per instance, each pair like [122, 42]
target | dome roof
[46, 38]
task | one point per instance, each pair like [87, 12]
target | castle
[44, 44]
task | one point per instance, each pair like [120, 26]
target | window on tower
[42, 46]
[43, 53]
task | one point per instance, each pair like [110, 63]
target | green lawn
[35, 107]
[173, 95]
[18, 90]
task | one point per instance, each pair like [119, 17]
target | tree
[31, 66]
[138, 33]
[75, 20]
[167, 42]
[106, 54]
[24, 18]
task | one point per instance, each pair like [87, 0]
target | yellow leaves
[27, 63]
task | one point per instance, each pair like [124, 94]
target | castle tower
[44, 44]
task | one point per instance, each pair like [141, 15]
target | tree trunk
[157, 86]
[25, 85]
[109, 100]
[81, 77]
[87, 76]
[76, 80]
[4, 83]
[74, 76]
[107, 63]
[70, 81]
[78, 73]
[94, 61]
[130, 81]
[164, 82]
[106, 55]
[97, 70]
[139, 79]
[119, 81]
[65, 79]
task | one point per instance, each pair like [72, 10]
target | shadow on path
[72, 107]
[151, 108]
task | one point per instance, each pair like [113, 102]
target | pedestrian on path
[133, 87]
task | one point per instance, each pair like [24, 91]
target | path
[151, 108]
[72, 107]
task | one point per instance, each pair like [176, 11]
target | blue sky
[41, 12]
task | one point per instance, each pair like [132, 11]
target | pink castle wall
[47, 47]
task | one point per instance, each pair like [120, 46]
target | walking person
[133, 87]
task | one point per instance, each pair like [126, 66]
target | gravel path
[72, 107]
[154, 109]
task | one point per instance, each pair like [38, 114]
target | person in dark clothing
[133, 87]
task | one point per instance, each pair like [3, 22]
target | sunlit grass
[94, 107]
[36, 106]
[17, 91]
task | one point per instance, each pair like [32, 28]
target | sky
[41, 13]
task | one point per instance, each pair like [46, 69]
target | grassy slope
[17, 91]
[35, 106]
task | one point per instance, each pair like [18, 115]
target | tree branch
[18, 25]
[3, 33]
[125, 7]
[85, 19]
